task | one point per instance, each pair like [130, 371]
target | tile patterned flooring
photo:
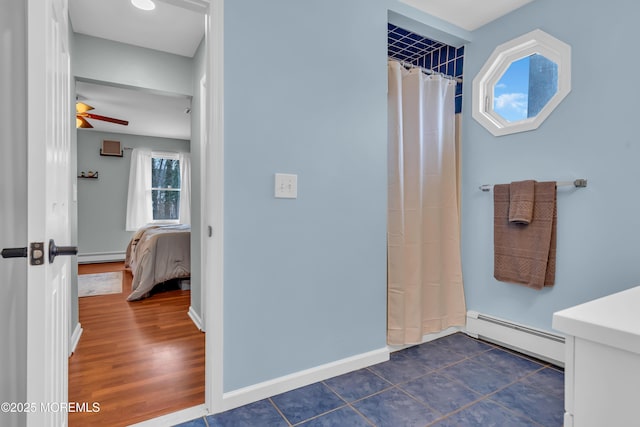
[452, 381]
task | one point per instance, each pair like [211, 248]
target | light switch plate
[286, 186]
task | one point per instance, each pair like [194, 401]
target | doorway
[127, 349]
[195, 248]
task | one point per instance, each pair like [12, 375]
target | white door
[49, 133]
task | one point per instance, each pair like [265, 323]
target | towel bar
[578, 183]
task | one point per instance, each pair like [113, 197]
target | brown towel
[526, 254]
[521, 195]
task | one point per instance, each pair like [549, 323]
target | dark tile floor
[452, 381]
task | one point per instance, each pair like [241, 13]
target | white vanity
[602, 361]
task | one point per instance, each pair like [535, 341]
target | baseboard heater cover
[534, 342]
[95, 257]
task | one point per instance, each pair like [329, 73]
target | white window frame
[168, 156]
[503, 56]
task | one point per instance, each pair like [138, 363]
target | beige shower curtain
[425, 292]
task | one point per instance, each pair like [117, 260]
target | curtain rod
[578, 183]
[428, 71]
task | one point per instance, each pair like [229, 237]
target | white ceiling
[148, 113]
[167, 28]
[467, 14]
[179, 30]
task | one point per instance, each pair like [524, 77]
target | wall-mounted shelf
[103, 153]
[93, 175]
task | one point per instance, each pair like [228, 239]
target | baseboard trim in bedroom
[196, 319]
[95, 257]
[174, 418]
[75, 338]
[254, 393]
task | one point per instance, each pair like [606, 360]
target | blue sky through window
[510, 94]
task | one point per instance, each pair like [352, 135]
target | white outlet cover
[286, 186]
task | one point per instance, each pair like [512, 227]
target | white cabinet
[602, 363]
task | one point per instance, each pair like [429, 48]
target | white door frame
[204, 200]
[214, 293]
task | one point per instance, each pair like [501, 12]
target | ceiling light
[144, 4]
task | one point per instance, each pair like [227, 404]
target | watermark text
[24, 407]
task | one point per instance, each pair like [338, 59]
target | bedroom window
[159, 188]
[165, 187]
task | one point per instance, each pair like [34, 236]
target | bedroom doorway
[202, 204]
[154, 338]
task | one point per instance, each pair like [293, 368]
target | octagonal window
[525, 88]
[521, 83]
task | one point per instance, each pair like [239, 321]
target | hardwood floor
[138, 360]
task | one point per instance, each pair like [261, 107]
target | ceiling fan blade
[82, 123]
[106, 119]
[81, 107]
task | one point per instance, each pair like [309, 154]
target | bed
[158, 253]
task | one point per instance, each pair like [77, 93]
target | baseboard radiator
[96, 257]
[533, 342]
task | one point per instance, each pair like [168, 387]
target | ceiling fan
[82, 115]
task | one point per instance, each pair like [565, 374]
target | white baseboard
[93, 257]
[534, 342]
[174, 418]
[75, 338]
[196, 319]
[286, 383]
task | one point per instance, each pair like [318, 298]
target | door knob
[54, 250]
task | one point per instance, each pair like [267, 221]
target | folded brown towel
[521, 195]
[526, 254]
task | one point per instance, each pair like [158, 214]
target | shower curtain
[425, 292]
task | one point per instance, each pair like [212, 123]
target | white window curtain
[185, 188]
[139, 210]
[425, 290]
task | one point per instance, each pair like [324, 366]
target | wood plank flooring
[138, 360]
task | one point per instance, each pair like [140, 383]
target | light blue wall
[101, 60]
[304, 279]
[305, 93]
[102, 202]
[592, 134]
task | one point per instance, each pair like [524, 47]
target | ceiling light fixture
[144, 4]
